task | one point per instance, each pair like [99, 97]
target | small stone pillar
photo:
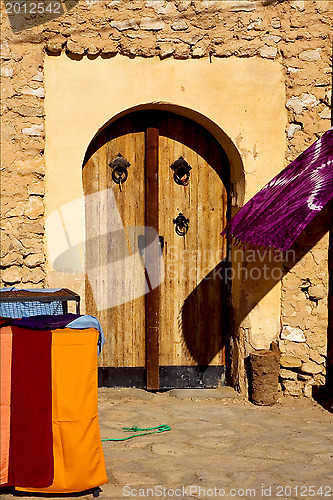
[264, 376]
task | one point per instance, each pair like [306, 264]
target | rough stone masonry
[296, 33]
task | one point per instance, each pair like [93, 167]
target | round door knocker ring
[119, 174]
[181, 223]
[181, 169]
[181, 231]
[181, 176]
[119, 168]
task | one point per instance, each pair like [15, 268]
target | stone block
[34, 130]
[151, 24]
[36, 188]
[7, 71]
[166, 50]
[297, 350]
[316, 357]
[244, 5]
[56, 44]
[182, 51]
[25, 110]
[38, 77]
[179, 25]
[199, 51]
[270, 39]
[38, 92]
[316, 293]
[292, 387]
[34, 259]
[307, 389]
[30, 228]
[293, 128]
[164, 8]
[6, 245]
[75, 48]
[183, 5]
[31, 245]
[35, 207]
[293, 334]
[12, 258]
[6, 53]
[93, 50]
[290, 362]
[268, 52]
[35, 275]
[288, 374]
[310, 55]
[17, 211]
[311, 367]
[276, 23]
[11, 275]
[127, 24]
[298, 104]
[29, 166]
[322, 350]
[110, 47]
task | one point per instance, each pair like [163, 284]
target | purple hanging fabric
[287, 204]
[45, 321]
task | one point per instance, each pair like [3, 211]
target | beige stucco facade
[240, 100]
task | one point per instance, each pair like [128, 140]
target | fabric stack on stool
[50, 437]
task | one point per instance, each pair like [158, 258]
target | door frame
[148, 376]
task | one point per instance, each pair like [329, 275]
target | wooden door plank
[192, 294]
[108, 246]
[180, 252]
[152, 267]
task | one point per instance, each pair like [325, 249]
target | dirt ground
[219, 445]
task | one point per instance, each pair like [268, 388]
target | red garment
[6, 338]
[31, 442]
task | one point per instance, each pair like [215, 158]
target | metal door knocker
[181, 171]
[119, 169]
[181, 224]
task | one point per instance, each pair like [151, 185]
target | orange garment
[6, 343]
[78, 454]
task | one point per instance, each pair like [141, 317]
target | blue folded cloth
[88, 321]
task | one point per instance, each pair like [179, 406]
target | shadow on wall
[263, 273]
[324, 395]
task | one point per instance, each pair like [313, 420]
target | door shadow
[204, 317]
[324, 394]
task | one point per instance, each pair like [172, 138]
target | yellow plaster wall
[242, 98]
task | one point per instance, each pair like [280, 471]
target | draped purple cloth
[280, 211]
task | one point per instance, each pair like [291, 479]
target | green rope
[152, 430]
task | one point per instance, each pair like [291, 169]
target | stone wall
[294, 33]
[304, 318]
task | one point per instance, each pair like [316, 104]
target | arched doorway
[165, 318]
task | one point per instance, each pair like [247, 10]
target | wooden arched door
[136, 174]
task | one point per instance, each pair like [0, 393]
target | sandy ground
[220, 445]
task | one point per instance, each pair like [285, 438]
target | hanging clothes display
[280, 211]
[53, 442]
[31, 454]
